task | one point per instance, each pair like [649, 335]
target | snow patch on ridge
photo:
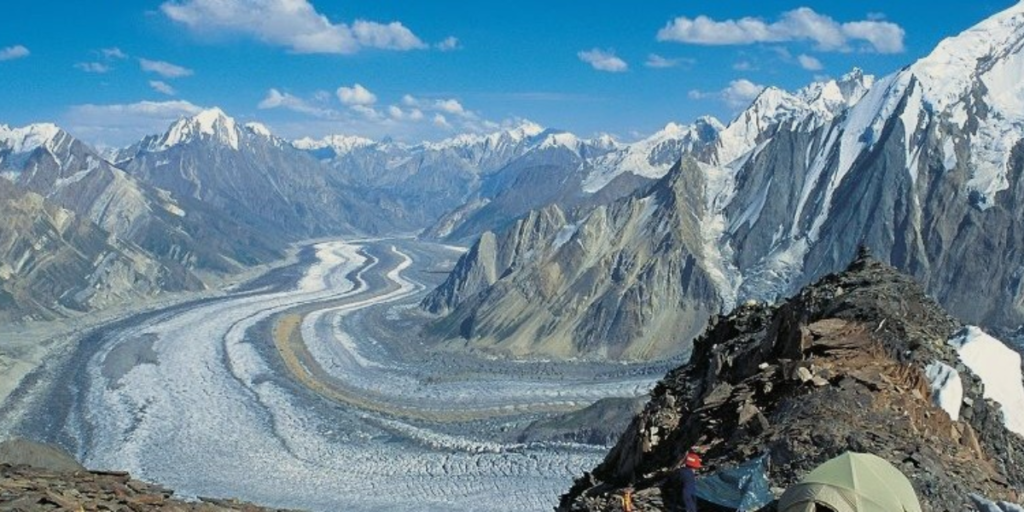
[1000, 372]
[947, 388]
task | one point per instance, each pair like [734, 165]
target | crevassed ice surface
[208, 417]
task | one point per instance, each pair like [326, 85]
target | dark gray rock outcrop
[839, 367]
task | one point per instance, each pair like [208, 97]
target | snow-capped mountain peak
[557, 138]
[519, 134]
[854, 85]
[259, 129]
[989, 51]
[211, 124]
[27, 138]
[975, 76]
[337, 144]
[525, 130]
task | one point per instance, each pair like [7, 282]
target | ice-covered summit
[259, 129]
[972, 88]
[988, 53]
[338, 144]
[27, 138]
[211, 124]
[519, 134]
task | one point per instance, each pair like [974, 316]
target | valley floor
[309, 388]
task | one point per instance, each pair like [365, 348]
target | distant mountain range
[211, 195]
[923, 166]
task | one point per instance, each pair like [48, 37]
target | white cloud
[883, 36]
[450, 43]
[113, 53]
[162, 87]
[367, 112]
[809, 63]
[292, 24]
[657, 61]
[122, 124]
[450, 106]
[13, 52]
[278, 99]
[403, 117]
[737, 95]
[802, 24]
[164, 69]
[356, 95]
[390, 36]
[92, 67]
[603, 60]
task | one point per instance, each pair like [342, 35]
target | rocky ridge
[24, 488]
[598, 290]
[841, 366]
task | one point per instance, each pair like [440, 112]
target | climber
[690, 464]
[627, 499]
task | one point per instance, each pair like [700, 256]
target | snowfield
[1000, 371]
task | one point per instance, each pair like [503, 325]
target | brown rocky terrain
[41, 477]
[24, 488]
[839, 367]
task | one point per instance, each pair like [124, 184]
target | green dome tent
[852, 482]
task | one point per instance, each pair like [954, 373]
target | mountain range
[211, 195]
[922, 166]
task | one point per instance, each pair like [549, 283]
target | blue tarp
[744, 488]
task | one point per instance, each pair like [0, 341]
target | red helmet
[692, 460]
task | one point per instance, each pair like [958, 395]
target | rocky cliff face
[178, 230]
[623, 283]
[923, 167]
[53, 263]
[847, 364]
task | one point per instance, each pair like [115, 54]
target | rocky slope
[53, 263]
[923, 166]
[35, 477]
[847, 364]
[127, 239]
[246, 174]
[598, 290]
[27, 488]
[178, 230]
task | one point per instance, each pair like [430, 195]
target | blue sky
[113, 70]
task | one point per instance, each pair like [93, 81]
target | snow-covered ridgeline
[26, 138]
